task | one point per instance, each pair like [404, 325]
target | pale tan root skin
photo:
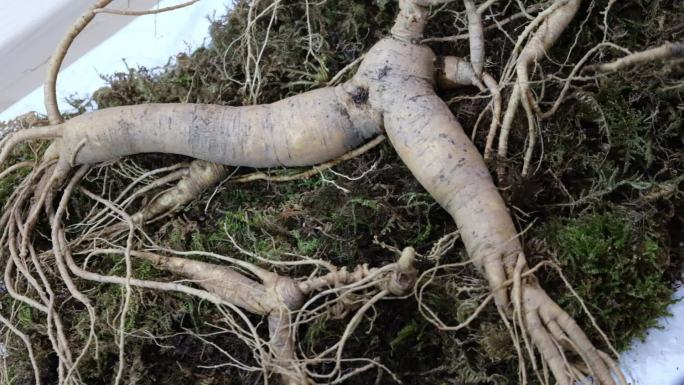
[542, 39]
[393, 90]
[664, 52]
[303, 130]
[200, 176]
[277, 296]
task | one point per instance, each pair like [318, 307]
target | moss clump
[22, 153]
[341, 32]
[618, 266]
[614, 144]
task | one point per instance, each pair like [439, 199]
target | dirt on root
[604, 201]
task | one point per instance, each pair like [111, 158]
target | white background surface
[30, 31]
[151, 40]
[659, 360]
[147, 40]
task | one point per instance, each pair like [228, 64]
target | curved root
[278, 297]
[285, 302]
[553, 333]
[551, 23]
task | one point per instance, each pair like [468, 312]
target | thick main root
[434, 147]
[393, 91]
[245, 289]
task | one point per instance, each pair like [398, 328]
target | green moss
[306, 246]
[23, 152]
[197, 241]
[25, 316]
[8, 185]
[614, 142]
[618, 267]
[346, 29]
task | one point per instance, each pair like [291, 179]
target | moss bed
[604, 203]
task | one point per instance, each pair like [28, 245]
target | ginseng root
[392, 92]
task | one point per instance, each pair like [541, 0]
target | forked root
[549, 25]
[281, 299]
[199, 176]
[554, 333]
[536, 324]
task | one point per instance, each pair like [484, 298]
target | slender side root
[200, 176]
[664, 52]
[47, 132]
[531, 129]
[555, 20]
[126, 12]
[283, 344]
[314, 170]
[506, 125]
[553, 332]
[27, 342]
[50, 86]
[61, 251]
[493, 87]
[16, 167]
[476, 37]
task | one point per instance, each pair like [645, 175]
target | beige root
[434, 147]
[454, 72]
[476, 37]
[147, 12]
[50, 90]
[551, 23]
[393, 90]
[199, 176]
[666, 51]
[279, 297]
